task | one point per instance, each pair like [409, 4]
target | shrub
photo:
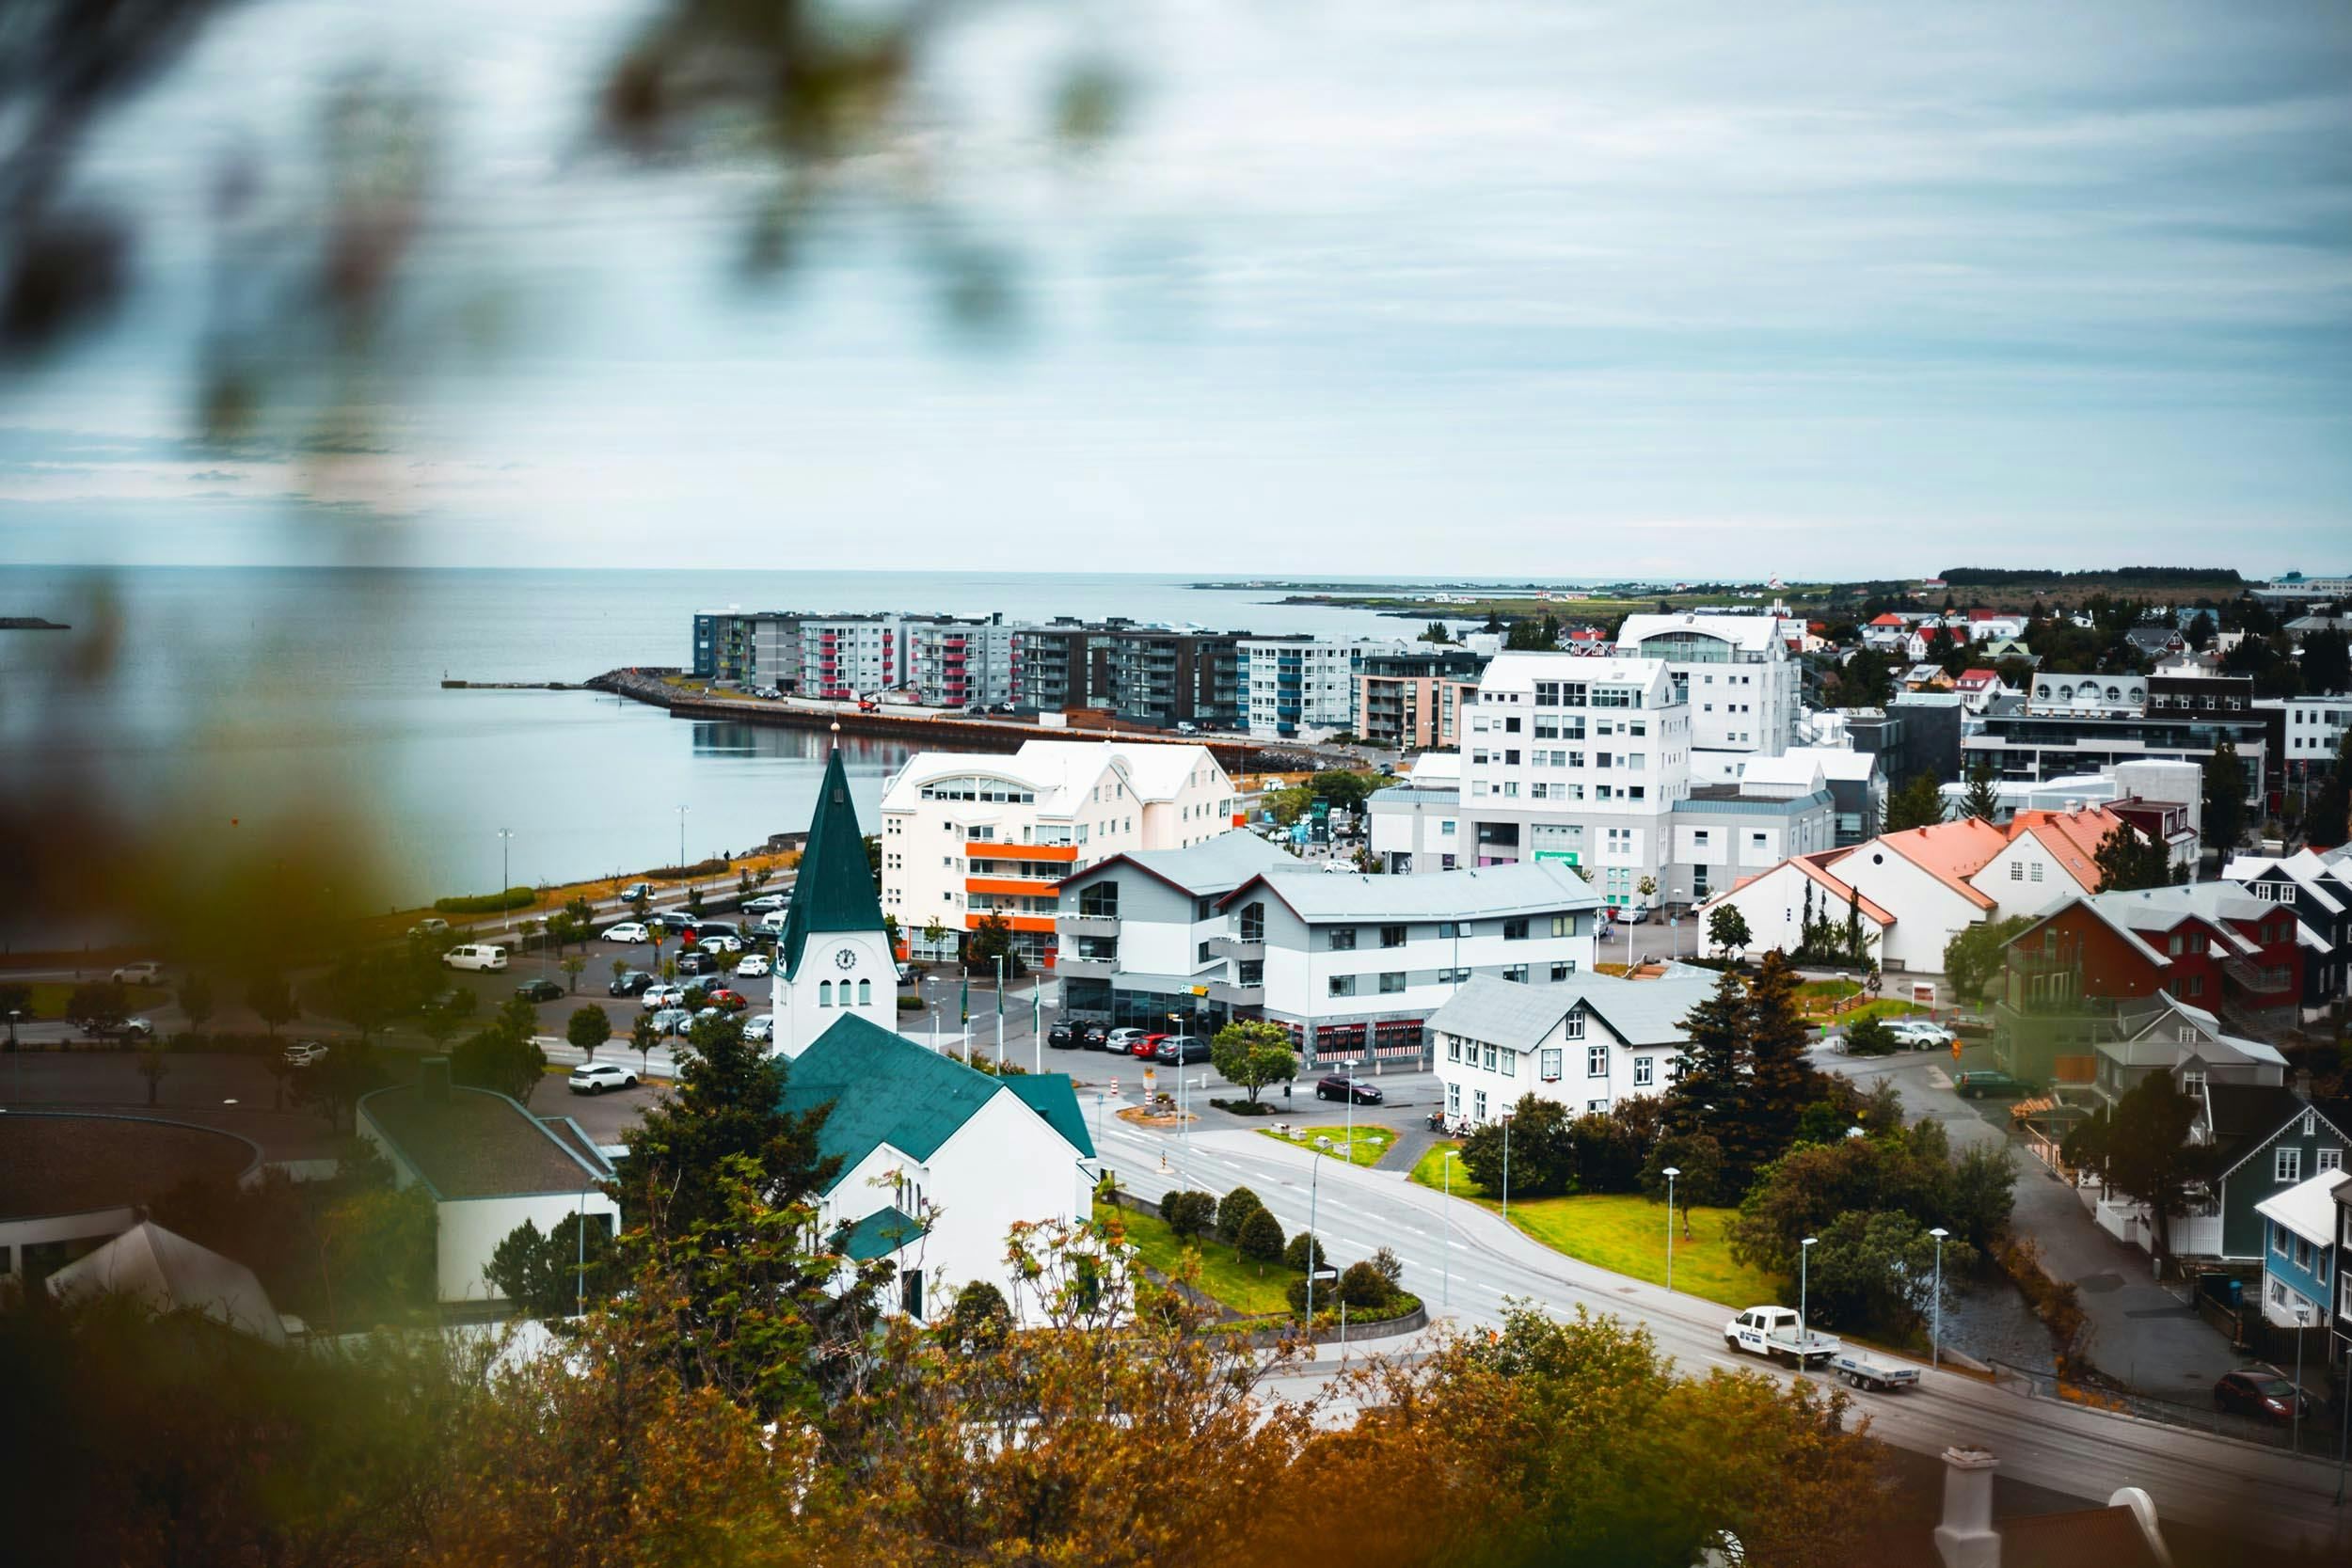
[1389, 1266]
[1363, 1285]
[1871, 1037]
[1305, 1252]
[1541, 1151]
[1235, 1211]
[488, 903]
[1261, 1237]
[910, 1003]
[979, 1315]
[1188, 1213]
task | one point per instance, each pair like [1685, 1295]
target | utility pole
[1672, 1171]
[506, 837]
[1000, 1012]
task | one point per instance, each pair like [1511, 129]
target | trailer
[1881, 1377]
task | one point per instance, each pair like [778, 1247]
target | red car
[1146, 1047]
[722, 997]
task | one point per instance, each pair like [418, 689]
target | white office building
[1586, 1044]
[1736, 671]
[1416, 825]
[969, 834]
[1304, 687]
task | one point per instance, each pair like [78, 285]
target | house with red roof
[1912, 892]
[1977, 688]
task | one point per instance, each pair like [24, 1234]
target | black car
[1339, 1086]
[1182, 1049]
[1094, 1036]
[1063, 1035]
[539, 991]
[694, 960]
[631, 982]
[2261, 1391]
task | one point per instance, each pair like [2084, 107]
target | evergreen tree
[1982, 802]
[1917, 804]
[2325, 825]
[2129, 859]
[2225, 798]
[1779, 1082]
[1703, 1098]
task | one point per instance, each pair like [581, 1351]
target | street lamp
[1446, 1166]
[681, 847]
[934, 1028]
[1000, 1013]
[1349, 1063]
[1805, 1255]
[1935, 1335]
[506, 837]
[1672, 1171]
[1507, 1164]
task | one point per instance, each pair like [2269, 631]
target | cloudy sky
[1372, 286]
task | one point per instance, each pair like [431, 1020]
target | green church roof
[884, 1089]
[835, 888]
[877, 1235]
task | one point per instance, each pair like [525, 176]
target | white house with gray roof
[1586, 1043]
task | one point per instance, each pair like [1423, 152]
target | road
[1467, 1263]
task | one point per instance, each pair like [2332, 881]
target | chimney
[433, 1080]
[1966, 1538]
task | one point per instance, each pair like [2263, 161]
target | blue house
[2300, 1251]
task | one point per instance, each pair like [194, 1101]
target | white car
[1918, 1031]
[475, 956]
[431, 925]
[631, 931]
[658, 997]
[758, 1030]
[596, 1077]
[765, 901]
[673, 1020]
[719, 945]
[307, 1054]
[147, 972]
[752, 967]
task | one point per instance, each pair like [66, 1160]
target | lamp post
[1037, 1020]
[506, 837]
[1350, 1064]
[579, 1263]
[1183, 1089]
[1446, 1166]
[681, 845]
[1935, 1335]
[1804, 1255]
[934, 1029]
[1000, 1012]
[1672, 1171]
[1507, 1164]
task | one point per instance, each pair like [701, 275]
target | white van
[475, 956]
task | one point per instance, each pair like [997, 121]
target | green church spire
[836, 890]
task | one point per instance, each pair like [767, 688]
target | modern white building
[1416, 825]
[1736, 672]
[957, 663]
[967, 835]
[2314, 729]
[1304, 687]
[1354, 964]
[1586, 1043]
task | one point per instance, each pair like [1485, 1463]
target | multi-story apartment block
[2312, 730]
[2067, 724]
[1415, 700]
[1585, 1043]
[965, 835]
[854, 656]
[1305, 688]
[1144, 674]
[1736, 673]
[747, 648]
[957, 663]
[1354, 965]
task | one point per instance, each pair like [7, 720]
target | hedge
[488, 903]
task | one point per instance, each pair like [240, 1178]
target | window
[1253, 923]
[1392, 982]
[1596, 1061]
[2017, 871]
[1101, 900]
[864, 992]
[1572, 1026]
[1550, 1064]
[1478, 1106]
[2286, 1165]
[1454, 1048]
[1510, 1064]
[1645, 1072]
[1343, 939]
[1515, 930]
[1454, 1098]
[2035, 873]
[1517, 973]
[2329, 1158]
[825, 993]
[1490, 1058]
[1342, 985]
[1391, 936]
[1562, 969]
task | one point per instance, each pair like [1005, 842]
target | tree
[980, 1317]
[270, 1000]
[334, 1085]
[2142, 1149]
[1702, 1095]
[1727, 929]
[1435, 632]
[1188, 1212]
[2329, 823]
[1260, 1240]
[1877, 1269]
[550, 1276]
[1864, 680]
[989, 941]
[369, 991]
[934, 934]
[1252, 1055]
[1364, 1287]
[1871, 1037]
[588, 1028]
[2225, 798]
[1983, 800]
[1697, 1161]
[154, 1065]
[1977, 955]
[1345, 789]
[1303, 1254]
[1981, 1193]
[502, 1057]
[1540, 1151]
[571, 965]
[2201, 631]
[1779, 1082]
[1609, 1149]
[1233, 1212]
[380, 1245]
[2128, 858]
[644, 1037]
[1917, 805]
[98, 1007]
[195, 1000]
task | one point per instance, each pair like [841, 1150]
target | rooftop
[477, 1144]
[1544, 887]
[1214, 865]
[64, 1163]
[1059, 773]
[2309, 1208]
[1748, 633]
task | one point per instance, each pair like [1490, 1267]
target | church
[939, 1161]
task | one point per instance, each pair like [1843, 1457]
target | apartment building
[2312, 730]
[1157, 676]
[965, 834]
[753, 648]
[1416, 826]
[1585, 1043]
[1305, 688]
[2069, 724]
[1736, 673]
[1415, 700]
[956, 663]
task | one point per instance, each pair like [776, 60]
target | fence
[2322, 1429]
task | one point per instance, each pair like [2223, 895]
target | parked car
[704, 930]
[764, 902]
[541, 990]
[631, 982]
[431, 925]
[906, 974]
[147, 972]
[477, 956]
[752, 967]
[721, 943]
[1063, 1035]
[1123, 1041]
[671, 1020]
[1092, 1037]
[596, 1077]
[305, 1053]
[758, 1029]
[1977, 1084]
[1636, 915]
[722, 997]
[658, 997]
[1147, 1046]
[1919, 1034]
[631, 931]
[1187, 727]
[1181, 1049]
[129, 1029]
[696, 960]
[1339, 1085]
[2261, 1391]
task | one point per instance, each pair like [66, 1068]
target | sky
[1819, 289]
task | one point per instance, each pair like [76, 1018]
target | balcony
[1071, 967]
[1071, 925]
[1234, 995]
[1234, 947]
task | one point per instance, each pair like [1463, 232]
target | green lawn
[1834, 988]
[50, 996]
[1372, 1142]
[1625, 1233]
[1250, 1288]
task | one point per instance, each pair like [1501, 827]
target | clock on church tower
[833, 958]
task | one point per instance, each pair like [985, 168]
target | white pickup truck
[1772, 1332]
